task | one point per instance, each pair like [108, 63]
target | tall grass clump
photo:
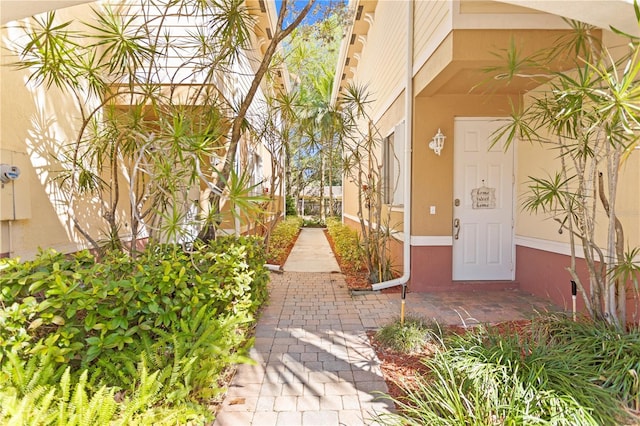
[281, 238]
[557, 372]
[610, 356]
[410, 337]
[346, 243]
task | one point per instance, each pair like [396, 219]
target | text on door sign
[483, 198]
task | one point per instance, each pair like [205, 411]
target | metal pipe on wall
[408, 102]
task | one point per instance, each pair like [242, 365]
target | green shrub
[282, 237]
[72, 308]
[291, 209]
[314, 222]
[185, 314]
[346, 242]
[410, 337]
[546, 375]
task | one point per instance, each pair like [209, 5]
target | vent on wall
[359, 13]
[269, 35]
[353, 38]
[263, 8]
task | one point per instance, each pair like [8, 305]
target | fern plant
[71, 402]
[24, 376]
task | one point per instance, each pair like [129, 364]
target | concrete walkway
[311, 253]
[314, 364]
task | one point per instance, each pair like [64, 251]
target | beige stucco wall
[433, 175]
[385, 125]
[382, 60]
[535, 160]
[34, 124]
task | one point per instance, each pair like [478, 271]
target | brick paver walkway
[314, 363]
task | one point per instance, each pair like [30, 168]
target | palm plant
[311, 54]
[362, 166]
[157, 122]
[588, 115]
[321, 127]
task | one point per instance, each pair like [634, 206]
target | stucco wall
[382, 60]
[386, 124]
[542, 161]
[433, 175]
[36, 122]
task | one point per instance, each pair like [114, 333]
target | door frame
[514, 202]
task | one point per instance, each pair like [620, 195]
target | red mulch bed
[357, 279]
[283, 257]
[399, 370]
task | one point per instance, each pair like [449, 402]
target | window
[393, 167]
[257, 175]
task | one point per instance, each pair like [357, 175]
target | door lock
[456, 228]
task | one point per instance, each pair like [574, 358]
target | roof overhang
[600, 13]
[363, 17]
[11, 10]
[461, 64]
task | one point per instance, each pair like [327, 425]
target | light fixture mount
[437, 143]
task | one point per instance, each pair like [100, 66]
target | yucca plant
[134, 137]
[588, 115]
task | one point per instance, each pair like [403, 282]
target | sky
[311, 18]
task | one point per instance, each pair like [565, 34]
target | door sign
[483, 197]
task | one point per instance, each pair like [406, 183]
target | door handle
[456, 228]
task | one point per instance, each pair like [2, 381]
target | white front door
[483, 203]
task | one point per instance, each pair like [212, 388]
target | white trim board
[416, 240]
[430, 241]
[519, 240]
[398, 235]
[548, 245]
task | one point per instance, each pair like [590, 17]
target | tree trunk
[323, 215]
[208, 232]
[330, 153]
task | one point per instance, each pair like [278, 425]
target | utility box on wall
[15, 196]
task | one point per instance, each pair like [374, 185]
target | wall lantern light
[437, 143]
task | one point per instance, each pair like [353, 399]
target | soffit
[600, 13]
[364, 15]
[11, 10]
[466, 54]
